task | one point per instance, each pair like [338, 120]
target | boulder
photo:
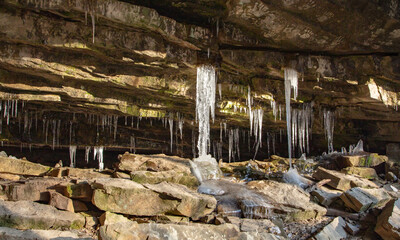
[9, 176]
[342, 181]
[121, 175]
[325, 196]
[364, 172]
[79, 206]
[80, 190]
[370, 160]
[388, 224]
[32, 215]
[293, 200]
[192, 231]
[108, 218]
[61, 202]
[165, 176]
[22, 167]
[128, 197]
[77, 173]
[361, 199]
[15, 234]
[31, 189]
[335, 230]
[156, 163]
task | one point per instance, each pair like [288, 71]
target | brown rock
[128, 197]
[342, 181]
[9, 176]
[364, 172]
[325, 195]
[360, 199]
[219, 221]
[121, 175]
[61, 202]
[388, 224]
[22, 167]
[108, 218]
[79, 206]
[287, 198]
[79, 190]
[370, 160]
[31, 189]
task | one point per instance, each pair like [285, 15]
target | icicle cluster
[302, 127]
[291, 81]
[329, 124]
[205, 105]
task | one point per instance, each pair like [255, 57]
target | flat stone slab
[291, 198]
[342, 181]
[361, 199]
[128, 197]
[366, 160]
[194, 231]
[32, 215]
[170, 176]
[22, 167]
[364, 172]
[15, 234]
[335, 230]
[388, 224]
[325, 195]
[32, 189]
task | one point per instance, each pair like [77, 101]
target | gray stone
[15, 234]
[32, 215]
[325, 196]
[335, 230]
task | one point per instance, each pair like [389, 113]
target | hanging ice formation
[133, 145]
[72, 155]
[291, 81]
[180, 125]
[87, 152]
[205, 105]
[329, 124]
[302, 127]
[98, 151]
[171, 129]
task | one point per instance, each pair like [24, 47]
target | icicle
[291, 81]
[329, 124]
[205, 105]
[230, 145]
[54, 123]
[100, 157]
[115, 127]
[87, 152]
[220, 91]
[133, 145]
[72, 155]
[171, 129]
[180, 125]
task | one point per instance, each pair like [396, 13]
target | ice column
[205, 105]
[291, 81]
[72, 155]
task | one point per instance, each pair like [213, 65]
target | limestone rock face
[388, 225]
[128, 197]
[22, 167]
[32, 215]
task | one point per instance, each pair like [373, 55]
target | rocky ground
[157, 197]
